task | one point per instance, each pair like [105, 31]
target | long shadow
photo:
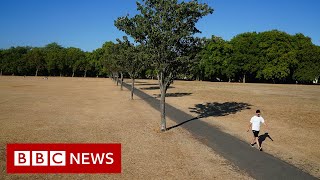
[147, 84]
[173, 95]
[140, 82]
[154, 88]
[263, 137]
[177, 125]
[214, 109]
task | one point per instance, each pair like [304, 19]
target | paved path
[259, 165]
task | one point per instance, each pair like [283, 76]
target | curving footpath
[259, 165]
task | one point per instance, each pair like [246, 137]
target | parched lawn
[292, 112]
[94, 110]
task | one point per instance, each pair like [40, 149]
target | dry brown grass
[292, 111]
[92, 110]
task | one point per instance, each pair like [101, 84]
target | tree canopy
[271, 56]
[166, 29]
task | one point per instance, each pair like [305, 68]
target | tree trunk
[162, 102]
[72, 73]
[37, 72]
[229, 80]
[60, 74]
[244, 78]
[163, 109]
[85, 73]
[121, 74]
[117, 79]
[1, 73]
[132, 87]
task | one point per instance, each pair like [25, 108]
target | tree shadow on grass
[147, 84]
[219, 109]
[153, 88]
[215, 109]
[140, 82]
[173, 95]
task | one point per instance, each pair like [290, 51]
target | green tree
[113, 61]
[14, 61]
[5, 61]
[36, 59]
[2, 62]
[151, 73]
[229, 67]
[85, 64]
[109, 59]
[192, 68]
[215, 59]
[62, 62]
[166, 28]
[54, 57]
[132, 59]
[97, 61]
[245, 54]
[72, 56]
[277, 51]
[308, 68]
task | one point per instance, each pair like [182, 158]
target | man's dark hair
[258, 111]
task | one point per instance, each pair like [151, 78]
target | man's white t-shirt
[256, 122]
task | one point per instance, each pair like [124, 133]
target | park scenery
[178, 104]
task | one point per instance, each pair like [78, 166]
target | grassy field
[292, 112]
[94, 110]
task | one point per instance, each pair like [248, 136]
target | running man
[255, 124]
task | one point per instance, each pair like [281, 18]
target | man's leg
[253, 140]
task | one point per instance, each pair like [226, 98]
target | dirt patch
[292, 111]
[94, 110]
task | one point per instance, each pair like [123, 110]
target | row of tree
[51, 60]
[271, 56]
[164, 31]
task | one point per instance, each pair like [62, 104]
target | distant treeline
[271, 56]
[51, 60]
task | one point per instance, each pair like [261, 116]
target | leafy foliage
[165, 28]
[271, 56]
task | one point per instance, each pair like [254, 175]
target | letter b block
[22, 158]
[39, 158]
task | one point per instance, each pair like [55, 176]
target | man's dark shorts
[255, 133]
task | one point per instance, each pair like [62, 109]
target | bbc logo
[63, 158]
[39, 158]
